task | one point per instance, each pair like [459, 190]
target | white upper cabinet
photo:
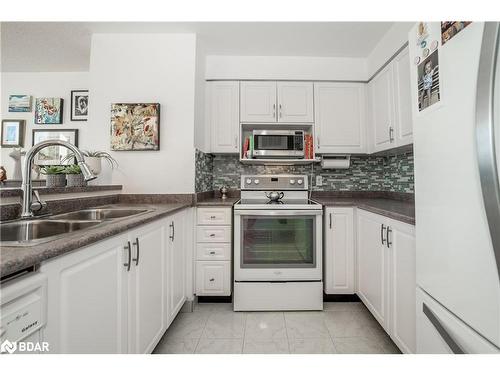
[382, 109]
[224, 115]
[340, 117]
[258, 101]
[295, 102]
[402, 98]
[339, 250]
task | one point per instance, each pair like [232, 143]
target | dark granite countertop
[395, 209]
[17, 191]
[228, 202]
[16, 258]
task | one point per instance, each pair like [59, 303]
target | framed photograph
[428, 81]
[19, 103]
[49, 111]
[53, 155]
[451, 28]
[13, 133]
[79, 105]
[135, 127]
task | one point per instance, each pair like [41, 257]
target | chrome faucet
[28, 205]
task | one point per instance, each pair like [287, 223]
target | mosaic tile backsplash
[367, 173]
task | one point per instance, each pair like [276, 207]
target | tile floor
[213, 328]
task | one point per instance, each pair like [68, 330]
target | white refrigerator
[455, 106]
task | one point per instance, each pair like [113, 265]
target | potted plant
[56, 176]
[74, 176]
[93, 160]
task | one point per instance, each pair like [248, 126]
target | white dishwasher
[23, 314]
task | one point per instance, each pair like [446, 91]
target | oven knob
[292, 182]
[300, 182]
[248, 181]
[256, 182]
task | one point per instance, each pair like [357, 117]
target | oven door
[274, 245]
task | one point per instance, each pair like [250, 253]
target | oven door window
[278, 242]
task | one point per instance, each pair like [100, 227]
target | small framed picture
[13, 133]
[49, 111]
[53, 155]
[79, 105]
[19, 103]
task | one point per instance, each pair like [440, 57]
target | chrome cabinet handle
[213, 217]
[274, 110]
[387, 238]
[455, 348]
[129, 256]
[212, 253]
[212, 234]
[172, 232]
[236, 142]
[391, 134]
[317, 142]
[136, 244]
[212, 279]
[280, 110]
[382, 227]
[330, 220]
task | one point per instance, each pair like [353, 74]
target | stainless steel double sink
[37, 230]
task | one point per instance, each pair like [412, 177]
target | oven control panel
[274, 182]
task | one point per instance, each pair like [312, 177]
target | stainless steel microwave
[278, 144]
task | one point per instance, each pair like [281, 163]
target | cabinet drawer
[213, 251]
[213, 278]
[214, 216]
[213, 234]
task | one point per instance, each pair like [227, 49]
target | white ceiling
[65, 46]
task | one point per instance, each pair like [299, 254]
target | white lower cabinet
[213, 251]
[213, 278]
[339, 250]
[386, 275]
[105, 298]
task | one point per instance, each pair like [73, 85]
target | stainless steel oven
[278, 144]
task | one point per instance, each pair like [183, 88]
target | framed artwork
[135, 127]
[79, 105]
[53, 155]
[13, 133]
[49, 111]
[451, 28]
[19, 103]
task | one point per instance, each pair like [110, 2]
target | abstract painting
[48, 111]
[19, 103]
[79, 105]
[135, 126]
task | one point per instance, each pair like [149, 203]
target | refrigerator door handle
[485, 132]
[455, 348]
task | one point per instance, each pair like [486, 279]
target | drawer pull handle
[212, 253]
[213, 217]
[212, 279]
[212, 234]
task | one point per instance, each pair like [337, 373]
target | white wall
[147, 68]
[285, 67]
[390, 43]
[42, 85]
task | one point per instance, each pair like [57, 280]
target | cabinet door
[382, 108]
[147, 304]
[176, 264]
[258, 101]
[213, 278]
[339, 251]
[372, 284]
[340, 117]
[295, 102]
[402, 99]
[403, 285]
[87, 299]
[224, 116]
